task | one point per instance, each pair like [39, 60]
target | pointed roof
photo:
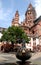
[17, 13]
[30, 6]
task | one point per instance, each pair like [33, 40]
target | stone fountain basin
[23, 54]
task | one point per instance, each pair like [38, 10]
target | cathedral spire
[30, 15]
[30, 6]
[15, 21]
[17, 13]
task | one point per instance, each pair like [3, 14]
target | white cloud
[4, 14]
[38, 7]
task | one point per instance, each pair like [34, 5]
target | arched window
[29, 12]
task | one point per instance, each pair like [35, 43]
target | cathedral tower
[15, 21]
[30, 15]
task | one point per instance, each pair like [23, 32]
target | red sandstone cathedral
[31, 25]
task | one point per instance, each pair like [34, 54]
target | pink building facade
[31, 26]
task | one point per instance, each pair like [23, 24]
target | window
[33, 32]
[29, 12]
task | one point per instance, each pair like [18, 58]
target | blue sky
[9, 7]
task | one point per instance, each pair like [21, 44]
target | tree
[15, 34]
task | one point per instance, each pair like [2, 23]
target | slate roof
[36, 21]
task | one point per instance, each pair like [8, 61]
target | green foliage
[5, 36]
[14, 34]
[25, 37]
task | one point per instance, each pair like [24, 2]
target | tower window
[33, 32]
[29, 12]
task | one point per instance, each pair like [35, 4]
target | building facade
[31, 25]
